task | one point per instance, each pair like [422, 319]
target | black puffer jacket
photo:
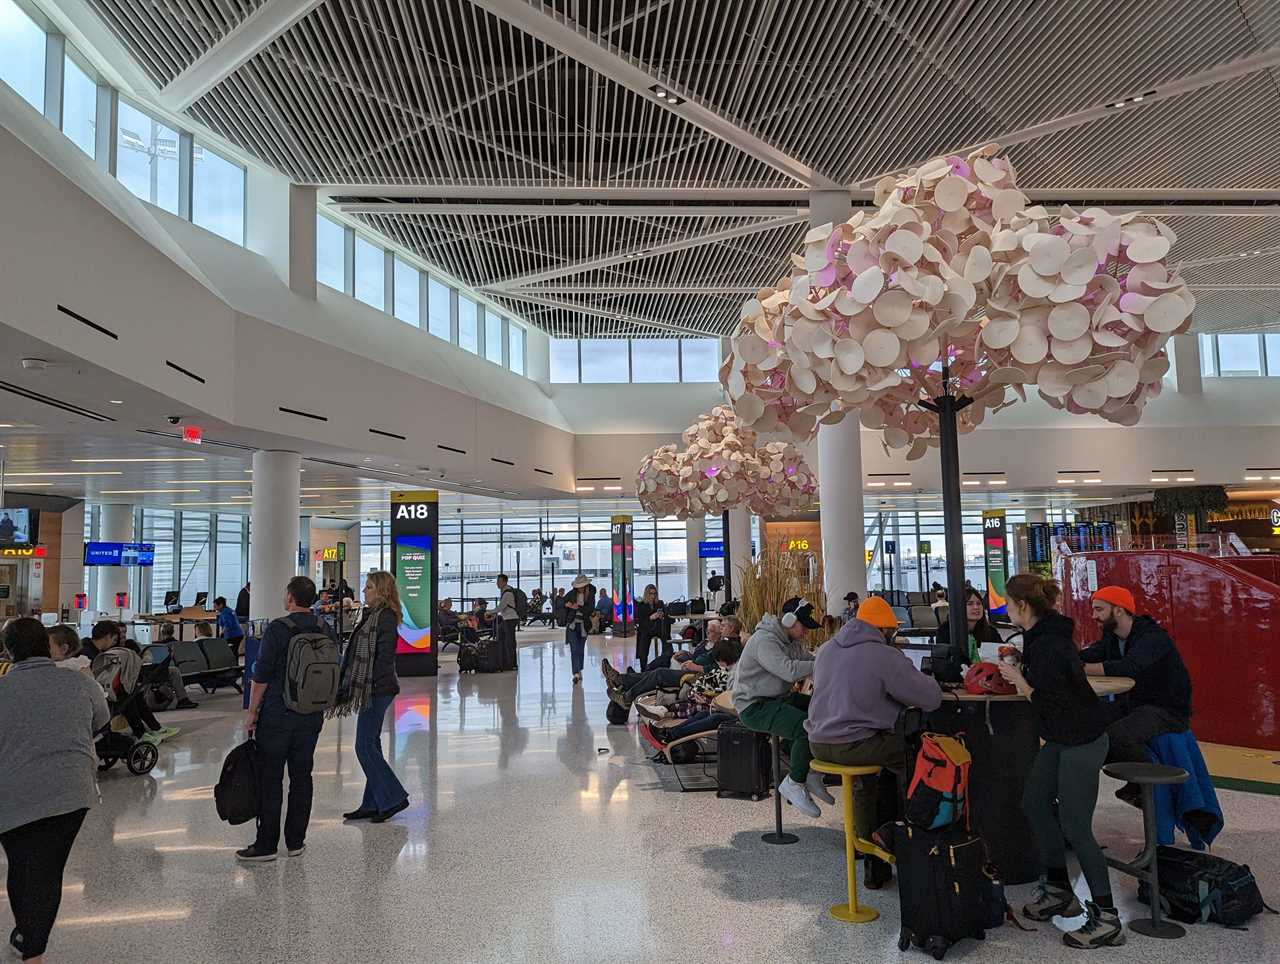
[1069, 710]
[386, 632]
[1153, 662]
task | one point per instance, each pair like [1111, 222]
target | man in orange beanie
[1138, 647]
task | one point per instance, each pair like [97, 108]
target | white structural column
[739, 547]
[302, 240]
[695, 530]
[115, 524]
[1186, 365]
[844, 562]
[273, 550]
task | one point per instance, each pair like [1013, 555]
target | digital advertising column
[622, 556]
[415, 521]
[994, 550]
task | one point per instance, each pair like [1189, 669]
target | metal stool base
[776, 837]
[859, 914]
[1163, 929]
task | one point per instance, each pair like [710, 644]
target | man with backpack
[294, 680]
[508, 616]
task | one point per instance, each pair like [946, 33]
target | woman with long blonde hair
[368, 688]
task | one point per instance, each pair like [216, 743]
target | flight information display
[119, 554]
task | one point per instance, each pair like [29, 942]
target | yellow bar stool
[850, 912]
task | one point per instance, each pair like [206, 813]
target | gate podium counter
[1002, 734]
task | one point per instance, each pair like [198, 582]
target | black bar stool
[1145, 866]
[777, 836]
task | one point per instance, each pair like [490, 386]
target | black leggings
[37, 854]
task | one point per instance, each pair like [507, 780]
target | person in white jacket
[507, 618]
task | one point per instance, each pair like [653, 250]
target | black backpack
[521, 601]
[236, 795]
[1197, 887]
[468, 658]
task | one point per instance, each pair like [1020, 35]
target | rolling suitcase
[943, 889]
[742, 762]
[489, 656]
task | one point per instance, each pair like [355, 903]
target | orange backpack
[939, 792]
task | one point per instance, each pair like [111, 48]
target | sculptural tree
[924, 316]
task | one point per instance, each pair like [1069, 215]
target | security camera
[173, 419]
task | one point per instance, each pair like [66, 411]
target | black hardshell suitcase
[943, 890]
[489, 656]
[743, 764]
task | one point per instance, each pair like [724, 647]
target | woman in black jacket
[1073, 724]
[368, 687]
[980, 630]
[651, 624]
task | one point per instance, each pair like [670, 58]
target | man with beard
[1137, 647]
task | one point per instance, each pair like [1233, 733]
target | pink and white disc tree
[955, 268]
[724, 466]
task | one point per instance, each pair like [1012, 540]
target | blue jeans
[382, 789]
[575, 633]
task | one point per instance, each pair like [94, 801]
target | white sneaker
[797, 794]
[813, 783]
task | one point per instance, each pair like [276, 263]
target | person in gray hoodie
[861, 682]
[773, 661]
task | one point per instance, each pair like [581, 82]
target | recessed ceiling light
[1066, 481]
[1186, 478]
[613, 488]
[40, 475]
[208, 482]
[1159, 478]
[898, 485]
[875, 485]
[114, 401]
[1255, 478]
[585, 488]
[1091, 481]
[997, 482]
[971, 482]
[144, 491]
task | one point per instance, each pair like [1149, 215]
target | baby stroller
[113, 745]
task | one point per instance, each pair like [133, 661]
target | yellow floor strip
[1242, 768]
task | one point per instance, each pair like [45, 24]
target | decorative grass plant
[774, 577]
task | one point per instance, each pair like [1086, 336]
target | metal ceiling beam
[571, 39]
[600, 313]
[244, 42]
[574, 210]
[1134, 100]
[559, 191]
[624, 257]
[633, 289]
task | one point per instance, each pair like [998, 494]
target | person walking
[284, 737]
[506, 619]
[578, 607]
[368, 688]
[1073, 725]
[47, 777]
[229, 625]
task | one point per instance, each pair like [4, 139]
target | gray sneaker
[1102, 928]
[1050, 901]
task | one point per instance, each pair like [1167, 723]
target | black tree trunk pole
[947, 407]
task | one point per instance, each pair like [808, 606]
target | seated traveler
[861, 683]
[64, 649]
[774, 660]
[1160, 701]
[165, 635]
[116, 668]
[850, 607]
[698, 713]
[980, 630]
[625, 687]
[451, 620]
[604, 611]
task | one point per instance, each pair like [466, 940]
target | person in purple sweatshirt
[861, 682]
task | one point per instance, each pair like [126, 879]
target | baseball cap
[1117, 596]
[850, 596]
[878, 613]
[803, 610]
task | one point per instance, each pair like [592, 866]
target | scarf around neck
[356, 689]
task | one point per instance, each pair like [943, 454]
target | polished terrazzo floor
[537, 833]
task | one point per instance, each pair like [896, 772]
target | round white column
[739, 547]
[695, 530]
[273, 550]
[115, 524]
[844, 563]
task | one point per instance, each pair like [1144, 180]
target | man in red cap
[1138, 647]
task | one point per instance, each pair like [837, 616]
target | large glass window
[468, 335]
[700, 359]
[230, 570]
[79, 106]
[515, 348]
[1208, 364]
[157, 528]
[1239, 355]
[604, 360]
[371, 269]
[1273, 354]
[22, 47]
[331, 253]
[655, 360]
[438, 309]
[493, 336]
[193, 576]
[408, 292]
[147, 158]
[217, 194]
[564, 360]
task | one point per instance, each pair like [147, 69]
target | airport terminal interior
[819, 465]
